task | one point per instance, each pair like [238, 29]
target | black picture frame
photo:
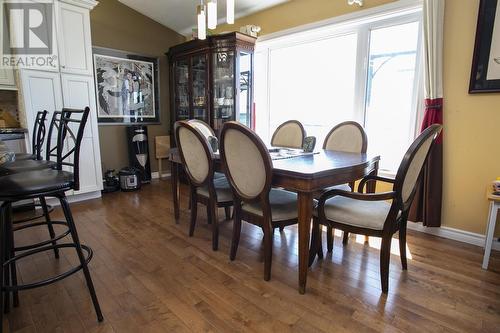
[131, 117]
[482, 58]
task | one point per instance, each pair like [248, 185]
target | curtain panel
[427, 204]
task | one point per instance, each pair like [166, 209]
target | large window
[366, 70]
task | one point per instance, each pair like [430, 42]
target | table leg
[174, 167]
[492, 220]
[305, 206]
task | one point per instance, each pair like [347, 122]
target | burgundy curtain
[426, 207]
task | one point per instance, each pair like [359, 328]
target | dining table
[307, 175]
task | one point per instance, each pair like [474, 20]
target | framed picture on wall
[126, 86]
[485, 74]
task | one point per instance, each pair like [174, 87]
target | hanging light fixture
[212, 14]
[230, 11]
[202, 28]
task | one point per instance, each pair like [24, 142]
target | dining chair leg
[81, 257]
[268, 248]
[282, 227]
[402, 245]
[209, 215]
[385, 256]
[215, 224]
[7, 253]
[345, 238]
[10, 248]
[236, 231]
[227, 211]
[52, 234]
[329, 238]
[194, 211]
[2, 259]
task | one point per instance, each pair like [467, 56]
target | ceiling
[180, 15]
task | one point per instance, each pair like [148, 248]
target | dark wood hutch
[212, 80]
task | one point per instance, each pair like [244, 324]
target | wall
[117, 26]
[471, 153]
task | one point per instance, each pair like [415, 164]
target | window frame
[360, 23]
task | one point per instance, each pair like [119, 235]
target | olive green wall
[117, 26]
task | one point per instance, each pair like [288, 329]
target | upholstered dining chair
[290, 134]
[376, 214]
[348, 136]
[198, 160]
[248, 167]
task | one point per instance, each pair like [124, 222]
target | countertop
[13, 130]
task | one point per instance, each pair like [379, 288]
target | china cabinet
[212, 80]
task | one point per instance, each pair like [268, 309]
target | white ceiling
[180, 15]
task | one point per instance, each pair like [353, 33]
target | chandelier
[206, 13]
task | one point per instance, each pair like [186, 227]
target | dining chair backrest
[196, 154]
[204, 128]
[38, 136]
[413, 162]
[246, 161]
[290, 134]
[348, 136]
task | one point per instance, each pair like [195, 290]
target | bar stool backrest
[38, 136]
[70, 125]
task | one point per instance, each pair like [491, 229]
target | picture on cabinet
[126, 87]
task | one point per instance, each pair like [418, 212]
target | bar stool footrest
[43, 243]
[34, 217]
[53, 279]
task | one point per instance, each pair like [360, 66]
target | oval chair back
[412, 165]
[196, 155]
[246, 161]
[38, 136]
[204, 128]
[69, 139]
[290, 134]
[348, 136]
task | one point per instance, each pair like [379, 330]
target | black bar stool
[45, 183]
[37, 138]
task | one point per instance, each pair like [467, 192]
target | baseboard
[76, 198]
[156, 175]
[455, 234]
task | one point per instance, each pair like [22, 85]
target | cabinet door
[199, 95]
[41, 91]
[7, 78]
[78, 92]
[223, 88]
[74, 40]
[182, 89]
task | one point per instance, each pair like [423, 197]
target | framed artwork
[485, 74]
[126, 87]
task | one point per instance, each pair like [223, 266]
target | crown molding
[89, 4]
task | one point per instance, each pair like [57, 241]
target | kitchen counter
[13, 130]
[7, 134]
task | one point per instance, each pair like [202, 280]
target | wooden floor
[151, 277]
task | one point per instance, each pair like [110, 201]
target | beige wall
[471, 150]
[117, 26]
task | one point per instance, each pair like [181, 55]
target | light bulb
[230, 11]
[212, 14]
[202, 29]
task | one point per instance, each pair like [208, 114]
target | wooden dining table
[305, 175]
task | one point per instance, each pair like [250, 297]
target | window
[367, 70]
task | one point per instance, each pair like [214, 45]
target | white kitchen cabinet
[78, 92]
[7, 81]
[71, 86]
[74, 39]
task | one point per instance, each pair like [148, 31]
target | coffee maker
[138, 151]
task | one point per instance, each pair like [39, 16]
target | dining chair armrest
[368, 178]
[357, 196]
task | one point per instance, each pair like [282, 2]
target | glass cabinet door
[199, 95]
[245, 88]
[223, 88]
[181, 69]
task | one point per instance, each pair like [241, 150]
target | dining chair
[348, 136]
[290, 134]
[248, 167]
[376, 214]
[198, 160]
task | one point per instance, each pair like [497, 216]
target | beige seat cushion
[222, 188]
[358, 213]
[283, 205]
